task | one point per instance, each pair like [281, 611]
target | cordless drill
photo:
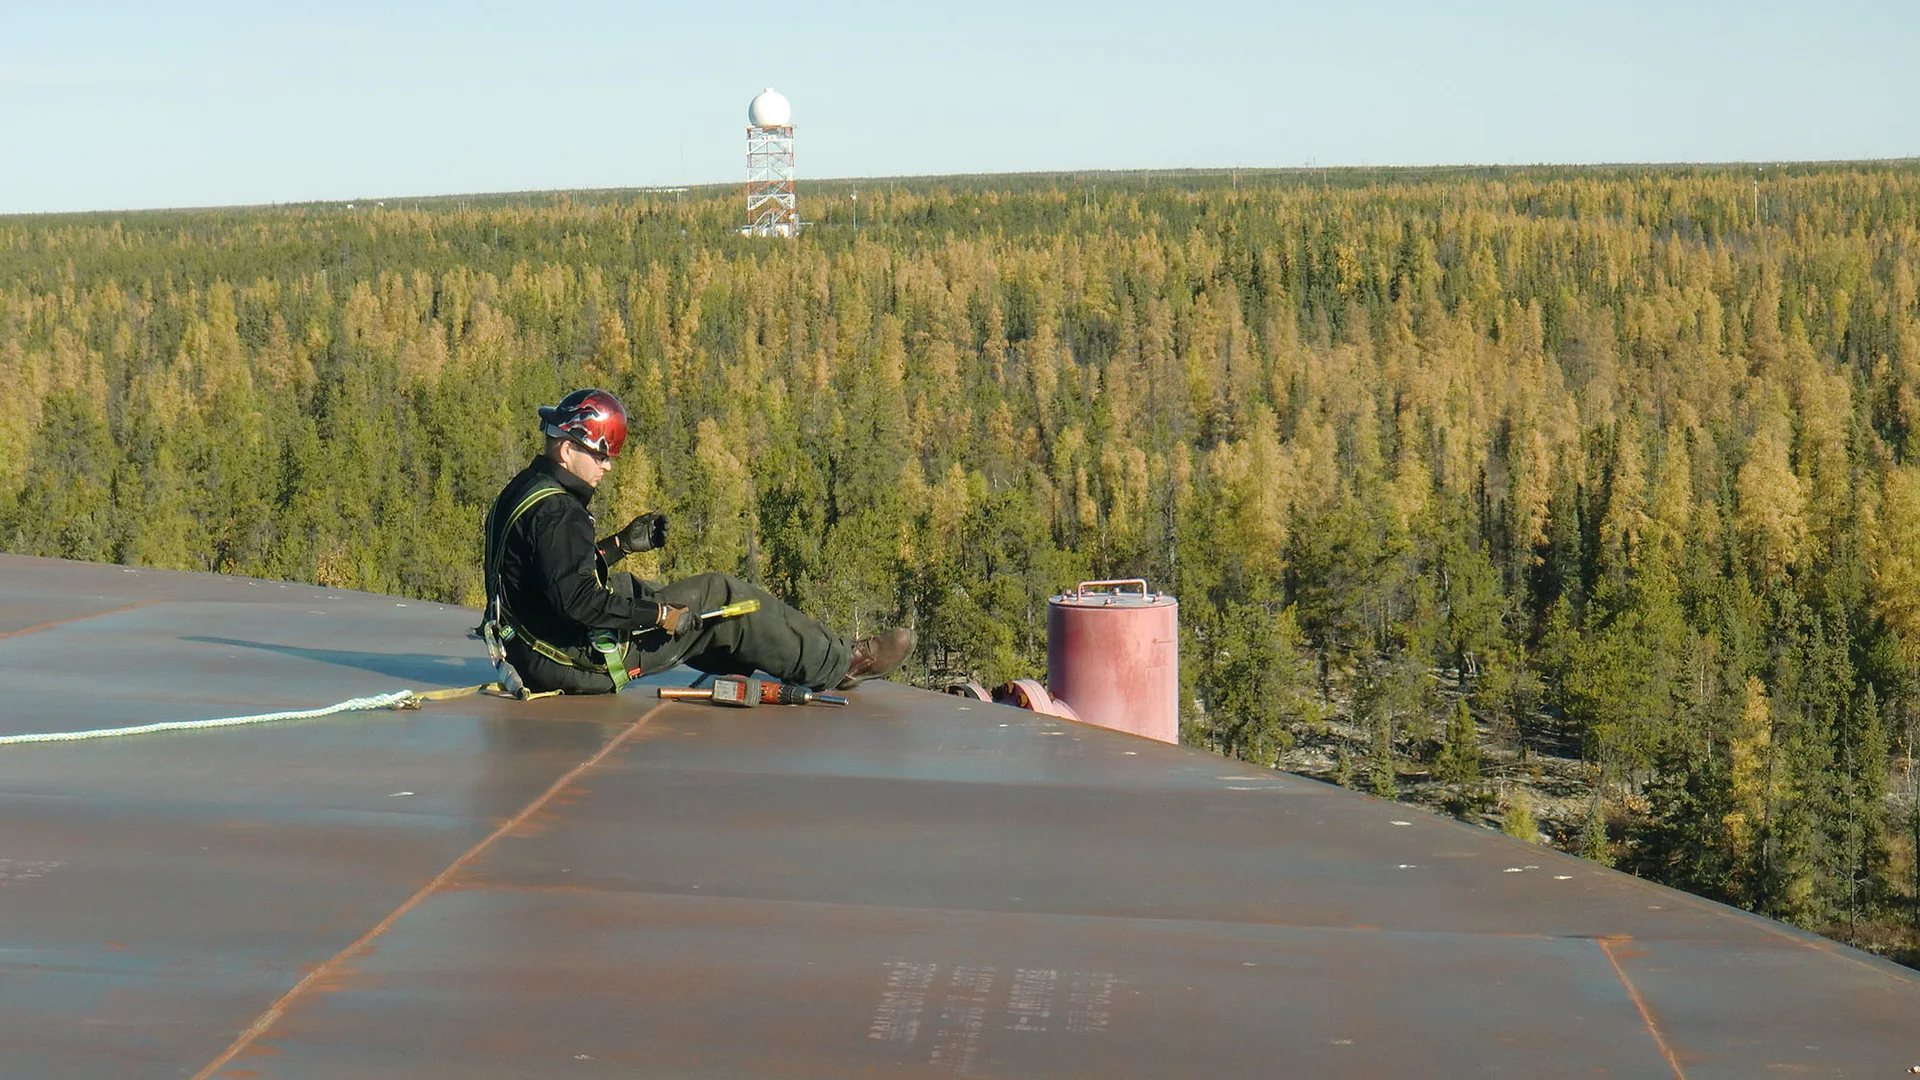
[745, 691]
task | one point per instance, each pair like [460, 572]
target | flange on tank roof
[770, 108]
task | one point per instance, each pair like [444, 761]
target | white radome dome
[770, 109]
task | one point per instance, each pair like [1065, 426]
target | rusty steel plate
[920, 884]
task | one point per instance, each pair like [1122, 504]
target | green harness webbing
[500, 623]
[612, 655]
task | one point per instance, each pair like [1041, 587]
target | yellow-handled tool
[738, 607]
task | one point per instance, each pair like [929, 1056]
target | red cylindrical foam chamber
[1114, 655]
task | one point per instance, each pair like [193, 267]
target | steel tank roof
[1129, 595]
[918, 885]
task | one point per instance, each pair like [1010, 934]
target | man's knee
[704, 592]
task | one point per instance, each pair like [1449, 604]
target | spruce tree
[1459, 760]
[1594, 846]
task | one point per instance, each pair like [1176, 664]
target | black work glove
[644, 533]
[678, 621]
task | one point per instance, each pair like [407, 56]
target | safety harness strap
[497, 551]
[613, 656]
[499, 627]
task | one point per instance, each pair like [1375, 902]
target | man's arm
[648, 532]
[564, 554]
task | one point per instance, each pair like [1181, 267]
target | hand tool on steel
[738, 607]
[744, 692]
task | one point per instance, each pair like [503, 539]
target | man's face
[584, 463]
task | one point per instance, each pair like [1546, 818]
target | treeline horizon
[1616, 458]
[813, 188]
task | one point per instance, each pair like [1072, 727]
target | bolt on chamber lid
[1117, 593]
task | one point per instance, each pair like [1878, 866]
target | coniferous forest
[1469, 468]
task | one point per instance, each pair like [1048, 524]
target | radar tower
[771, 210]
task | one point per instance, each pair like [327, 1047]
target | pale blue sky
[207, 102]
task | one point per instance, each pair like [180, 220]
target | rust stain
[1621, 941]
[537, 825]
[322, 974]
[37, 627]
[337, 979]
[475, 882]
[1622, 947]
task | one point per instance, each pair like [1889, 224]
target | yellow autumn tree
[1749, 757]
[1770, 501]
[1896, 562]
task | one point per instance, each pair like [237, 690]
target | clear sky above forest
[211, 102]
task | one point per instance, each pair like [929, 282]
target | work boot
[877, 655]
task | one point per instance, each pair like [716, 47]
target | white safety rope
[397, 699]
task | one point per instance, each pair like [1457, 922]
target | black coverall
[557, 588]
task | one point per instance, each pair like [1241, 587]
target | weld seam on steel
[275, 1011]
[1646, 1014]
[359, 704]
[1824, 946]
[35, 628]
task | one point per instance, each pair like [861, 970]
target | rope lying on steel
[399, 699]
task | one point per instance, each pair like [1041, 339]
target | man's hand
[644, 533]
[678, 621]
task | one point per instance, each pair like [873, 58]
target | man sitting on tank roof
[565, 622]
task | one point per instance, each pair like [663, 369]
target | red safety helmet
[593, 418]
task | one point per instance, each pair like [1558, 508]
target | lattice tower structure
[771, 207]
